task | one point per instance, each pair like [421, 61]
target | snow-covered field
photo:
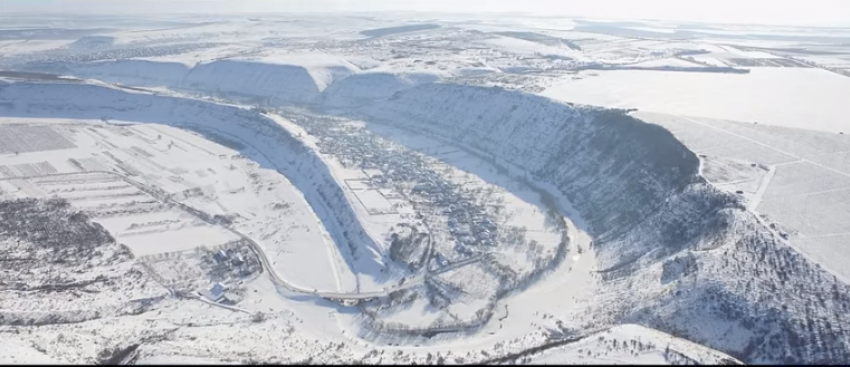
[379, 190]
[798, 179]
[790, 97]
[628, 344]
[188, 169]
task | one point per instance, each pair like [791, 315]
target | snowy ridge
[359, 89]
[143, 73]
[291, 80]
[281, 83]
[672, 248]
[630, 344]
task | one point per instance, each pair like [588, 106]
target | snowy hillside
[277, 82]
[572, 147]
[287, 79]
[359, 89]
[143, 73]
[630, 344]
[661, 232]
[373, 189]
[676, 245]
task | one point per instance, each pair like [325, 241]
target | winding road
[330, 295]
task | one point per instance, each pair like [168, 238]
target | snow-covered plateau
[346, 189]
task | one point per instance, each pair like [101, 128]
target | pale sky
[790, 12]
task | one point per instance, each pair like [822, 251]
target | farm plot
[84, 187]
[374, 202]
[115, 204]
[804, 178]
[378, 214]
[769, 62]
[91, 191]
[179, 269]
[820, 213]
[145, 236]
[358, 184]
[27, 170]
[19, 138]
[103, 193]
[24, 188]
[79, 179]
[805, 199]
[372, 173]
[733, 175]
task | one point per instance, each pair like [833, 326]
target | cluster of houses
[468, 222]
[231, 263]
[233, 259]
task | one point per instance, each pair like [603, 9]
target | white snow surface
[16, 351]
[790, 97]
[697, 264]
[634, 345]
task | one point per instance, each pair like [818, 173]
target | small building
[214, 293]
[220, 256]
[440, 259]
[239, 260]
[461, 249]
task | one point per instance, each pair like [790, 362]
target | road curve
[256, 248]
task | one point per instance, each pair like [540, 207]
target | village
[474, 231]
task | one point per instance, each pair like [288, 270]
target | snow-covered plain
[797, 179]
[791, 97]
[409, 172]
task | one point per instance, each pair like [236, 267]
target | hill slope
[677, 254]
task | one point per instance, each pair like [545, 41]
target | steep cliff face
[282, 82]
[677, 254]
[279, 83]
[365, 88]
[617, 171]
